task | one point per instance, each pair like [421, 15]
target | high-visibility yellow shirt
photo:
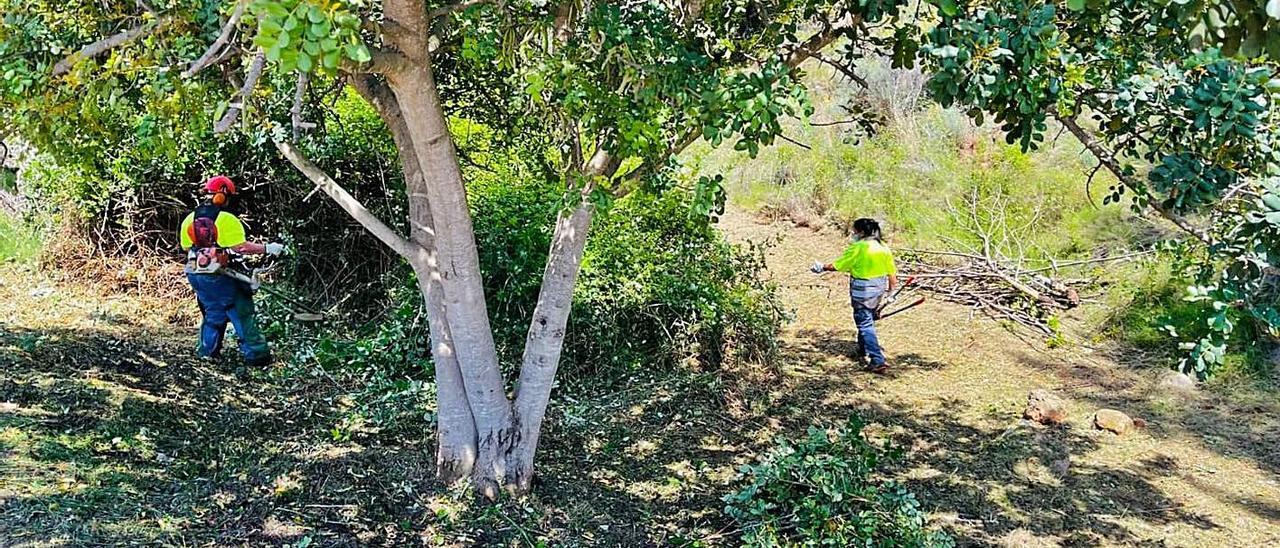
[866, 259]
[230, 230]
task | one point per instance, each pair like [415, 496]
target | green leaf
[316, 15]
[276, 10]
[267, 24]
[331, 59]
[321, 29]
[358, 53]
[312, 48]
[305, 63]
[1076, 5]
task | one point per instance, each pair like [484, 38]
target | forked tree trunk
[459, 268]
[455, 427]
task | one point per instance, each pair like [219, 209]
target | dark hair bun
[867, 228]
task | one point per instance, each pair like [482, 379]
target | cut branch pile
[1004, 293]
[992, 275]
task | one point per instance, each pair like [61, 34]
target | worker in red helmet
[212, 237]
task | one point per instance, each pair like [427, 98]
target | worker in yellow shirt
[210, 236]
[872, 279]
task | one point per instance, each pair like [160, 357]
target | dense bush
[659, 286]
[822, 491]
[127, 201]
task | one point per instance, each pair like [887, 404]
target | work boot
[879, 369]
[259, 363]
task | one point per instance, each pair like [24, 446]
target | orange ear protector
[220, 187]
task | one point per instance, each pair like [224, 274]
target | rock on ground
[1045, 408]
[1176, 382]
[1113, 421]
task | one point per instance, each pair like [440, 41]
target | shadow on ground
[112, 440]
[117, 440]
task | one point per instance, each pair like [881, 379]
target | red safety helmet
[220, 187]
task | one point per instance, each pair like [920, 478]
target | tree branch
[349, 203]
[61, 68]
[212, 53]
[794, 57]
[242, 96]
[784, 137]
[1107, 158]
[451, 8]
[295, 113]
[843, 70]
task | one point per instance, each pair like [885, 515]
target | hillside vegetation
[938, 182]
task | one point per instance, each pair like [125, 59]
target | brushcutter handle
[914, 304]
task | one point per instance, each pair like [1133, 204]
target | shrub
[821, 492]
[659, 287]
[1150, 306]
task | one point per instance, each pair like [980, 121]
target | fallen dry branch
[1005, 292]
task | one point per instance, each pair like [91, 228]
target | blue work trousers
[224, 299]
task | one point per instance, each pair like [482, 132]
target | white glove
[818, 268]
[274, 248]
[887, 298]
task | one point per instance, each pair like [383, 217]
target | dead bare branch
[214, 50]
[61, 68]
[784, 137]
[243, 95]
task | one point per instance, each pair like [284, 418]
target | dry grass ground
[112, 435]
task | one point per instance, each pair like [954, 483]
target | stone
[1112, 421]
[1176, 382]
[1045, 408]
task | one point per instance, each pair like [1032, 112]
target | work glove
[274, 248]
[887, 299]
[818, 268]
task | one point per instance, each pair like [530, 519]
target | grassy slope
[916, 174]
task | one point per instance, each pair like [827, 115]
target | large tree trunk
[455, 427]
[546, 339]
[464, 300]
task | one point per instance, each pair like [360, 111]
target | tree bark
[546, 340]
[456, 430]
[464, 300]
